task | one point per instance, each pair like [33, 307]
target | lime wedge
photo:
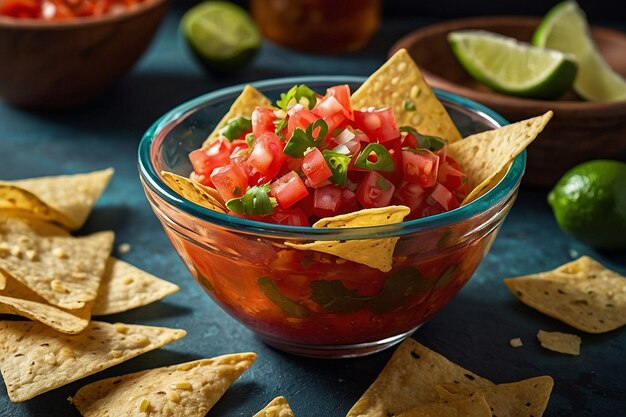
[512, 67]
[221, 35]
[565, 28]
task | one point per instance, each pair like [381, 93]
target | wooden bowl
[579, 131]
[61, 64]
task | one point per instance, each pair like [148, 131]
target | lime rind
[512, 67]
[566, 29]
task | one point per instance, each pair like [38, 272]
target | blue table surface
[473, 330]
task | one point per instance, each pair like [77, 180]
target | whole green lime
[589, 203]
[222, 35]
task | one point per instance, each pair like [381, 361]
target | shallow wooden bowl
[62, 64]
[579, 131]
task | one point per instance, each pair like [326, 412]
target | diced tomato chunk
[331, 200]
[452, 178]
[420, 167]
[375, 191]
[315, 167]
[410, 195]
[442, 197]
[379, 124]
[288, 190]
[342, 94]
[205, 160]
[263, 121]
[230, 181]
[301, 117]
[290, 217]
[267, 155]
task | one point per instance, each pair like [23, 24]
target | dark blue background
[473, 330]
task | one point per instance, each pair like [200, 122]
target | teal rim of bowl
[151, 177]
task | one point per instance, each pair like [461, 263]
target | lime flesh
[565, 28]
[513, 67]
[589, 203]
[221, 35]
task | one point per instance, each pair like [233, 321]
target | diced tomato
[205, 160]
[442, 197]
[451, 178]
[331, 200]
[315, 167]
[342, 94]
[238, 148]
[267, 155]
[394, 147]
[29, 9]
[230, 181]
[375, 191]
[378, 124]
[420, 167]
[301, 118]
[409, 141]
[291, 217]
[288, 190]
[263, 121]
[410, 195]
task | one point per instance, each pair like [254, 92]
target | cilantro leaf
[295, 96]
[256, 201]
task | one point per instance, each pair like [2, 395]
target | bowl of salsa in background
[67, 59]
[306, 302]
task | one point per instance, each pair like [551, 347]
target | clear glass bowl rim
[152, 179]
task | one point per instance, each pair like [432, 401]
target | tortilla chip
[475, 406]
[125, 287]
[375, 253]
[560, 342]
[399, 83]
[65, 199]
[278, 407]
[249, 99]
[409, 380]
[188, 389]
[36, 359]
[486, 156]
[193, 191]
[64, 270]
[19, 300]
[582, 293]
[527, 398]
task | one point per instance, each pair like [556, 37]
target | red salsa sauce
[60, 10]
[315, 156]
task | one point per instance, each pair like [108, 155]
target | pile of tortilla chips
[485, 157]
[418, 382]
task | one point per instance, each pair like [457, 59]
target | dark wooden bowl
[61, 64]
[579, 131]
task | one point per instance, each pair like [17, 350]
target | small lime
[565, 28]
[221, 35]
[589, 203]
[513, 67]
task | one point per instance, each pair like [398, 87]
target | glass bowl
[307, 302]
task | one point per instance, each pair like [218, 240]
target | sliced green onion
[383, 162]
[432, 143]
[280, 125]
[338, 164]
[236, 127]
[256, 201]
[408, 105]
[297, 94]
[300, 140]
[250, 140]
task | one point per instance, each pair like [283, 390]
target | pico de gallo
[314, 156]
[63, 9]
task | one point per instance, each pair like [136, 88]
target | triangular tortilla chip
[560, 342]
[375, 253]
[486, 156]
[125, 287]
[527, 398]
[278, 407]
[69, 198]
[64, 270]
[399, 84]
[249, 99]
[18, 299]
[193, 191]
[36, 359]
[189, 389]
[408, 380]
[475, 406]
[582, 293]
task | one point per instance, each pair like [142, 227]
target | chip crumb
[516, 342]
[143, 405]
[59, 253]
[560, 342]
[124, 248]
[173, 396]
[16, 251]
[31, 255]
[121, 328]
[186, 385]
[58, 286]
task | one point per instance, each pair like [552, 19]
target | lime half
[513, 67]
[221, 34]
[565, 28]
